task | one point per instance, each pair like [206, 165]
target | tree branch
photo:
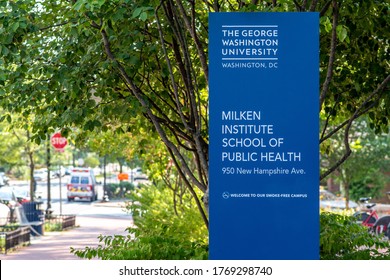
[313, 5]
[192, 191]
[199, 47]
[325, 8]
[358, 112]
[297, 6]
[55, 25]
[137, 94]
[196, 129]
[363, 108]
[328, 118]
[332, 55]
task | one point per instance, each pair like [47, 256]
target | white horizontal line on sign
[241, 58]
[250, 26]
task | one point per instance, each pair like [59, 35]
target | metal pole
[48, 209]
[59, 166]
[104, 177]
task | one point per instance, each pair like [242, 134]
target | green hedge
[161, 230]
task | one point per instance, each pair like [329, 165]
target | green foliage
[364, 173]
[119, 190]
[55, 64]
[341, 238]
[141, 66]
[371, 186]
[91, 161]
[162, 231]
[49, 226]
[2, 243]
[12, 147]
[9, 227]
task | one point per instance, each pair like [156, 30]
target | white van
[82, 184]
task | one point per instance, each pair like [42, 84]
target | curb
[114, 203]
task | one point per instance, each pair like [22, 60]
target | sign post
[264, 154]
[59, 143]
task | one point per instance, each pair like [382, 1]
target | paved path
[56, 245]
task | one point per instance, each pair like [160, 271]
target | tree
[18, 151]
[354, 70]
[100, 65]
[12, 144]
[364, 173]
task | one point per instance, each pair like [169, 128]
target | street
[59, 203]
[92, 219]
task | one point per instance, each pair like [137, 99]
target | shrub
[341, 238]
[163, 230]
[119, 190]
[53, 227]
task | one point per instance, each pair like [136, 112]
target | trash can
[33, 212]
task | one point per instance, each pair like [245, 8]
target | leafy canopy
[121, 65]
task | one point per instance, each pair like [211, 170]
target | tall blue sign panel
[264, 157]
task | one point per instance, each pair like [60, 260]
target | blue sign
[264, 129]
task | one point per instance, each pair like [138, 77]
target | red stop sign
[58, 142]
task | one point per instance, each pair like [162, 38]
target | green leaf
[342, 33]
[144, 16]
[79, 5]
[101, 2]
[325, 21]
[137, 12]
[15, 26]
[3, 76]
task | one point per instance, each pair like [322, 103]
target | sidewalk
[56, 245]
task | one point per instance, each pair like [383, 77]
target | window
[84, 180]
[75, 180]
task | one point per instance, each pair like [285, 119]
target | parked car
[4, 180]
[4, 214]
[329, 201]
[8, 197]
[68, 169]
[22, 195]
[57, 172]
[40, 174]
